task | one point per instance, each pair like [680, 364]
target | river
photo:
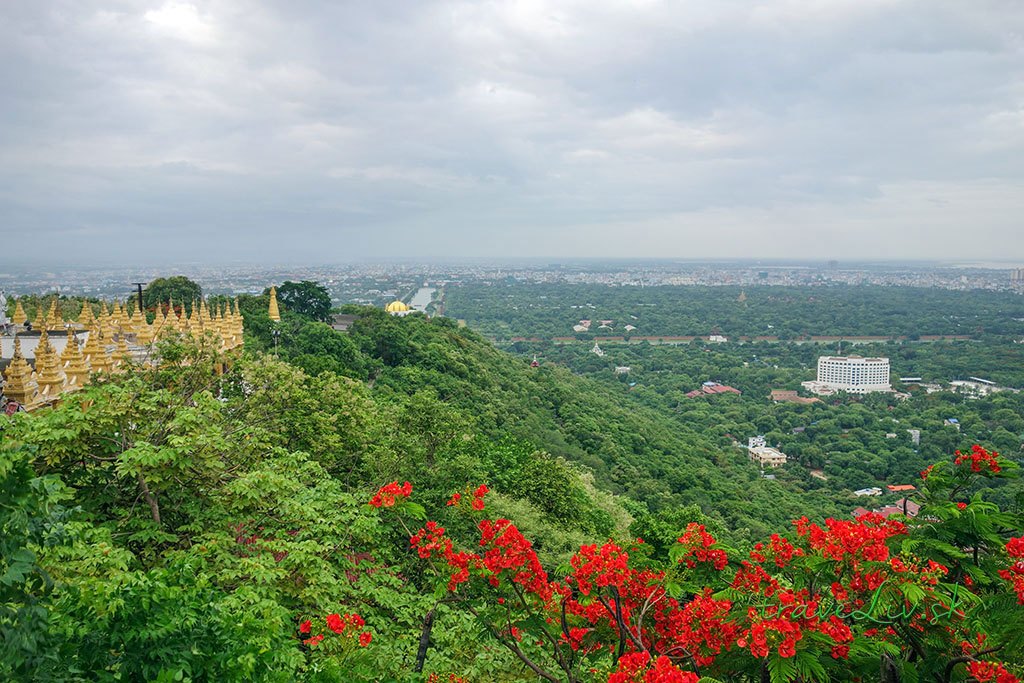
[421, 298]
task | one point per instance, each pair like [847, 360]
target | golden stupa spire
[76, 370]
[40, 322]
[239, 328]
[104, 321]
[49, 373]
[86, 318]
[272, 310]
[178, 321]
[96, 350]
[145, 333]
[19, 317]
[122, 356]
[21, 385]
[54, 320]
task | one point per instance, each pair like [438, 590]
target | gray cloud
[328, 131]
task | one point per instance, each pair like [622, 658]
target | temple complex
[46, 359]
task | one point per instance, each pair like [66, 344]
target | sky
[322, 131]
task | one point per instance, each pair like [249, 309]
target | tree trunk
[421, 655]
[154, 507]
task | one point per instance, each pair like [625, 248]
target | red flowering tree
[930, 598]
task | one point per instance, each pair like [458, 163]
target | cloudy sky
[325, 130]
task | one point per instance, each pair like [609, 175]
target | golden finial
[272, 310]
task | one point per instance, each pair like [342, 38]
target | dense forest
[407, 502]
[513, 309]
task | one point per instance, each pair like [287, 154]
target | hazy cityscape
[373, 283]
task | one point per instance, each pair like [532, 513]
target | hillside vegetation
[176, 524]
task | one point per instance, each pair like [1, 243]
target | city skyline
[167, 132]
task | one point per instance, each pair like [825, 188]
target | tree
[310, 299]
[177, 288]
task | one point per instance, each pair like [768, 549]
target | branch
[421, 654]
[513, 647]
[947, 675]
[154, 508]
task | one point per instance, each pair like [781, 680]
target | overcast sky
[324, 130]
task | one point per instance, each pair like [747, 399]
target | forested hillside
[406, 502]
[629, 448]
[510, 309]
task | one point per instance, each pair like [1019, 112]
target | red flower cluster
[1015, 574]
[388, 494]
[779, 550]
[603, 599]
[607, 566]
[991, 671]
[698, 544]
[478, 496]
[979, 458]
[633, 668]
[702, 627]
[429, 540]
[862, 539]
[338, 623]
[511, 551]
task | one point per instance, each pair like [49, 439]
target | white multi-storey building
[852, 374]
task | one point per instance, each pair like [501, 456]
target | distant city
[378, 283]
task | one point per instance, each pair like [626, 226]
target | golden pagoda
[19, 317]
[104, 322]
[49, 373]
[122, 356]
[76, 370]
[272, 310]
[178, 321]
[86, 318]
[54, 320]
[21, 385]
[144, 332]
[40, 322]
[96, 351]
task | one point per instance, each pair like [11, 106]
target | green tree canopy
[307, 298]
[178, 287]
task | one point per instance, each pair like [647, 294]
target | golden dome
[397, 307]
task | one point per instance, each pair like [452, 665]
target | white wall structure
[854, 374]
